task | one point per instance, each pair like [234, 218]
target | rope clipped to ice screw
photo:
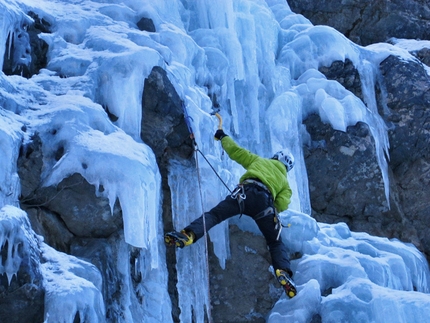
[196, 149]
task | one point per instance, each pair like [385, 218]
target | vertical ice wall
[191, 266]
[11, 136]
[261, 67]
[92, 58]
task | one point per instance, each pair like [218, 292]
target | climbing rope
[196, 148]
[222, 181]
[205, 234]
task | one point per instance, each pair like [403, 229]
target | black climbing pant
[257, 200]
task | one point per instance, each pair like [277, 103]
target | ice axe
[216, 114]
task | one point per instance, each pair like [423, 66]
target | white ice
[16, 241]
[72, 288]
[67, 280]
[261, 62]
[11, 136]
[362, 278]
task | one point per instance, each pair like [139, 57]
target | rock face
[404, 105]
[367, 22]
[358, 179]
[244, 270]
[408, 100]
[60, 213]
[341, 166]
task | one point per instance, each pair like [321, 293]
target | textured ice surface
[260, 61]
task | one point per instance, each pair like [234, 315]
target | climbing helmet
[286, 158]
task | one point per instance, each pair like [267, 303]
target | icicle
[15, 240]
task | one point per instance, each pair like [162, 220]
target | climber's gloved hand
[219, 134]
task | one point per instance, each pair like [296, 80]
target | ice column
[18, 242]
[191, 264]
[10, 140]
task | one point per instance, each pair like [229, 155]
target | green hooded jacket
[270, 172]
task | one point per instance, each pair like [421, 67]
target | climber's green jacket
[270, 172]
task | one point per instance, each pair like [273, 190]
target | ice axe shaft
[216, 114]
[219, 120]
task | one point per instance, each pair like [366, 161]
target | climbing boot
[287, 283]
[179, 239]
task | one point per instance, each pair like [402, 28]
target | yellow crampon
[179, 239]
[286, 282]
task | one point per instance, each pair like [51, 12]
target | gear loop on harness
[239, 194]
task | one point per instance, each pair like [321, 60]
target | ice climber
[262, 192]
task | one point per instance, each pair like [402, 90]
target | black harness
[240, 195]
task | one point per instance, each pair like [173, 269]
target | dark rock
[146, 24]
[344, 175]
[423, 55]
[39, 48]
[346, 74]
[408, 98]
[51, 227]
[163, 124]
[71, 208]
[83, 213]
[413, 181]
[367, 22]
[23, 305]
[28, 51]
[30, 162]
[246, 277]
[164, 129]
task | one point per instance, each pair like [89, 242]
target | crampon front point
[178, 239]
[286, 282]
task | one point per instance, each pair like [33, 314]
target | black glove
[219, 134]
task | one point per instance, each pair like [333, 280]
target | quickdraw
[279, 225]
[239, 191]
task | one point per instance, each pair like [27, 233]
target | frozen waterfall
[260, 60]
